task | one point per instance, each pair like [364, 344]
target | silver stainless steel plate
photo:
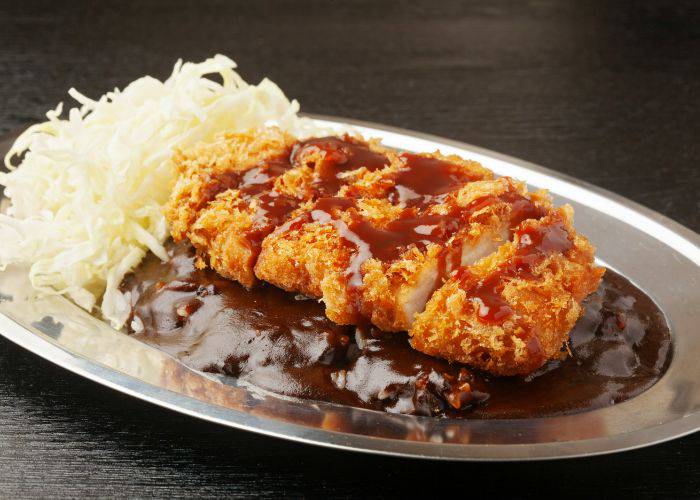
[657, 254]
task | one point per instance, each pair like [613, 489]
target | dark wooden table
[606, 91]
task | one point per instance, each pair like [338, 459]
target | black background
[606, 91]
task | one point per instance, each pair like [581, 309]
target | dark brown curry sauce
[274, 340]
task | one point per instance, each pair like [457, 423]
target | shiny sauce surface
[340, 155]
[619, 348]
[424, 180]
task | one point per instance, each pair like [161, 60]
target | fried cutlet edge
[392, 289]
[546, 308]
[199, 167]
[217, 227]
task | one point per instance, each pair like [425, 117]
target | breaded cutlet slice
[308, 254]
[208, 169]
[228, 231]
[371, 260]
[512, 311]
[482, 214]
[418, 181]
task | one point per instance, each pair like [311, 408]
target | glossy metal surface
[659, 255]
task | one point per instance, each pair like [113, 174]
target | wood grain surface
[606, 91]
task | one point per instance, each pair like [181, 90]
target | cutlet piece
[373, 260]
[299, 256]
[467, 226]
[318, 255]
[208, 169]
[512, 311]
[329, 163]
[229, 230]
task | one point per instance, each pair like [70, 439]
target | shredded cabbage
[87, 196]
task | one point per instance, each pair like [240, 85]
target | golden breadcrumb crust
[392, 292]
[413, 292]
[545, 307]
[215, 217]
[202, 171]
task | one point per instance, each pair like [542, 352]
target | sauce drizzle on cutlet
[339, 156]
[533, 246]
[424, 180]
[414, 228]
[273, 208]
[251, 182]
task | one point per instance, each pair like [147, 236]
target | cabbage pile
[86, 197]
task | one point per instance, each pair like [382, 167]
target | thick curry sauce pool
[285, 344]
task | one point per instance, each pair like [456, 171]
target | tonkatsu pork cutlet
[233, 192]
[209, 169]
[512, 311]
[379, 259]
[476, 269]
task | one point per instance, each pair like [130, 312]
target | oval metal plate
[657, 254]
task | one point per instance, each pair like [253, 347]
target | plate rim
[15, 332]
[122, 383]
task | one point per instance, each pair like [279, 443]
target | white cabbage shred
[87, 196]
